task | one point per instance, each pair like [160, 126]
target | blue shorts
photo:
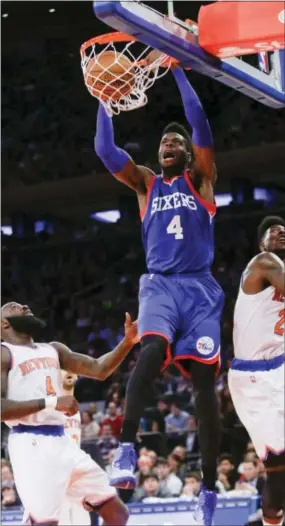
[186, 310]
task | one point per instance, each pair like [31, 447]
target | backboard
[180, 40]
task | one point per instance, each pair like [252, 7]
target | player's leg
[209, 434]
[158, 320]
[257, 389]
[41, 474]
[197, 353]
[273, 498]
[89, 487]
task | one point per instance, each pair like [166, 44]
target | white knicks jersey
[72, 427]
[259, 325]
[34, 373]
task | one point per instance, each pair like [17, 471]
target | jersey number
[279, 327]
[175, 227]
[49, 387]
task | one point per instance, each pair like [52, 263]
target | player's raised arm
[202, 136]
[271, 269]
[116, 160]
[104, 366]
[14, 409]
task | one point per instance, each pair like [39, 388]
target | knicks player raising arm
[18, 326]
[176, 152]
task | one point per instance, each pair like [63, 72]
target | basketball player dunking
[47, 464]
[180, 303]
[256, 377]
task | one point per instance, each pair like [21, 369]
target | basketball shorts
[185, 310]
[48, 469]
[73, 515]
[257, 391]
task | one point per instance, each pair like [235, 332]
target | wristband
[51, 402]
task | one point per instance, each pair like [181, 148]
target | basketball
[110, 75]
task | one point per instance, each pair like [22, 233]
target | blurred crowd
[47, 112]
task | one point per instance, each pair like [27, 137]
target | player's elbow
[102, 372]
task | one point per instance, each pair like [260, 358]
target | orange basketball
[110, 75]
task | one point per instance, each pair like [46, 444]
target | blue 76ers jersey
[177, 228]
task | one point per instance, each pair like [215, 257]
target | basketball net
[144, 69]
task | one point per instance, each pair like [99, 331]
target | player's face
[20, 318]
[274, 239]
[172, 154]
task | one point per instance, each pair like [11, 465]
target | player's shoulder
[264, 261]
[5, 353]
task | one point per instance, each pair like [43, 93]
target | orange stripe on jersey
[211, 207]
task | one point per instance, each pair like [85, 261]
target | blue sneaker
[205, 507]
[123, 467]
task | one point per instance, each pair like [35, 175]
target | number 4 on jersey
[49, 387]
[175, 227]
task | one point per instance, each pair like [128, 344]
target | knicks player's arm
[13, 409]
[104, 366]
[116, 160]
[266, 268]
[201, 132]
[83, 365]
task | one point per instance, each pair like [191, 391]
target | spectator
[9, 495]
[176, 422]
[167, 481]
[151, 488]
[227, 473]
[6, 473]
[97, 416]
[192, 485]
[250, 477]
[144, 464]
[174, 463]
[153, 457]
[114, 420]
[106, 442]
[89, 428]
[192, 445]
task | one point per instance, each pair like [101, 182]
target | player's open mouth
[169, 156]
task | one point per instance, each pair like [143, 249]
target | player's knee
[153, 343]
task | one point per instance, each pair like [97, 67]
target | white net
[120, 78]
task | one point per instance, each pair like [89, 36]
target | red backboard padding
[228, 29]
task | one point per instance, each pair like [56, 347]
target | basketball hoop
[118, 70]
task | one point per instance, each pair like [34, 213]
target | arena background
[79, 269]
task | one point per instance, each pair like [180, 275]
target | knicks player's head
[175, 153]
[68, 381]
[271, 235]
[18, 323]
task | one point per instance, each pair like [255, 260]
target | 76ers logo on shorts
[205, 345]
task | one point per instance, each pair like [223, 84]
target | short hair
[193, 475]
[151, 475]
[161, 461]
[175, 127]
[253, 461]
[266, 223]
[226, 456]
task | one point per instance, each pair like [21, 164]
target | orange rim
[106, 39]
